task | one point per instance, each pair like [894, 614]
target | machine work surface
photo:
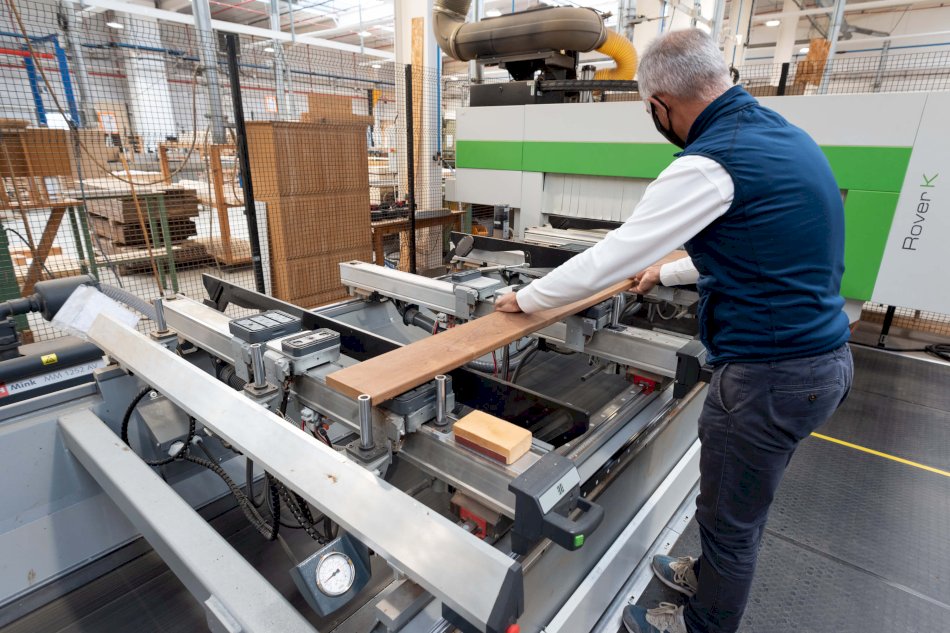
[857, 542]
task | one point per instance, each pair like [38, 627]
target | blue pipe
[35, 89]
[35, 38]
[67, 83]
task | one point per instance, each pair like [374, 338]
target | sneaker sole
[689, 593]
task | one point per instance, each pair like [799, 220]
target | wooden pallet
[136, 261]
[121, 234]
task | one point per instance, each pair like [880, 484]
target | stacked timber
[314, 179]
[118, 225]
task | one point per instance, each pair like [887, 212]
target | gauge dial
[335, 574]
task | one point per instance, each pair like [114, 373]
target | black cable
[524, 361]
[301, 515]
[260, 524]
[249, 484]
[32, 252]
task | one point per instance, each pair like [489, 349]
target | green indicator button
[578, 540]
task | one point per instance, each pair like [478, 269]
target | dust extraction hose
[551, 28]
[133, 301]
[621, 50]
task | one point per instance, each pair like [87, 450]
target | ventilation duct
[551, 28]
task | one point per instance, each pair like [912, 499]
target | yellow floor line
[884, 455]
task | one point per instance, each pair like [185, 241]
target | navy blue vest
[770, 267]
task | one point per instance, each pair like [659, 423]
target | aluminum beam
[648, 350]
[432, 293]
[230, 589]
[448, 564]
[204, 326]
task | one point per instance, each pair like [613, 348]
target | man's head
[680, 74]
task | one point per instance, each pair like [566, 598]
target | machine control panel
[310, 343]
[265, 326]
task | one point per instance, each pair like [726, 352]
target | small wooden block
[492, 437]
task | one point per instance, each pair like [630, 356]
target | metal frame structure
[331, 482]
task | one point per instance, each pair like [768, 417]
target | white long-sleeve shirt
[686, 198]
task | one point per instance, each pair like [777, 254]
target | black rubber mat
[896, 427]
[902, 378]
[800, 591]
[857, 543]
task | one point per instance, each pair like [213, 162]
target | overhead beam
[851, 8]
[231, 27]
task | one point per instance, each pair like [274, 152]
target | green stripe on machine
[855, 167]
[868, 217]
[503, 155]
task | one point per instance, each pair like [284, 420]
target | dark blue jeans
[753, 419]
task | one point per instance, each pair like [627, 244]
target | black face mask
[667, 133]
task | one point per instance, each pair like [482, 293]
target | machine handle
[571, 534]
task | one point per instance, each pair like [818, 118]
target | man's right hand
[647, 280]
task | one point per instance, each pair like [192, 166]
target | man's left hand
[647, 280]
[507, 303]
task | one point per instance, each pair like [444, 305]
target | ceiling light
[115, 25]
[493, 13]
[269, 49]
[772, 22]
[365, 34]
[803, 50]
[377, 66]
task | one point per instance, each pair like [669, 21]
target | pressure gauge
[332, 576]
[335, 574]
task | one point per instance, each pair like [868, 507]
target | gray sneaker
[677, 573]
[666, 618]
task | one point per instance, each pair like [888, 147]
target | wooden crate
[292, 159]
[313, 278]
[304, 226]
[315, 181]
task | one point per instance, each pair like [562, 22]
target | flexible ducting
[551, 28]
[136, 303]
[621, 50]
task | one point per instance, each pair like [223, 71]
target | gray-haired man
[754, 200]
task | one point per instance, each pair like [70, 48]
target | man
[754, 200]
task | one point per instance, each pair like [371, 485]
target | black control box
[310, 342]
[265, 326]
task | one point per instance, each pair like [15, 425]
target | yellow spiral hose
[621, 50]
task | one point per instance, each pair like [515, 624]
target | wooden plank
[400, 370]
[418, 105]
[221, 205]
[43, 249]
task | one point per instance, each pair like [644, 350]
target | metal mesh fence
[120, 157]
[908, 72]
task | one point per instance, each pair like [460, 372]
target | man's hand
[647, 280]
[507, 303]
